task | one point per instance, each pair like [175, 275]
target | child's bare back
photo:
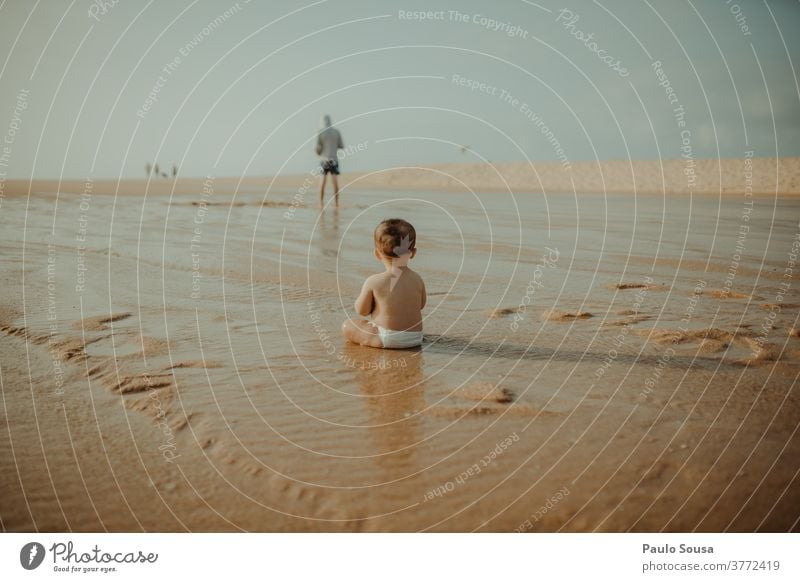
[394, 299]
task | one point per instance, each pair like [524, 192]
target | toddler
[394, 298]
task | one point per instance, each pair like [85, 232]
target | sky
[98, 89]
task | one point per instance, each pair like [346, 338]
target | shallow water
[645, 417]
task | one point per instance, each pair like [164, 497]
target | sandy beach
[770, 176]
[621, 357]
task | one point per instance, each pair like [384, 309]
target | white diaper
[398, 340]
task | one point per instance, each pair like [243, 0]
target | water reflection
[393, 385]
[328, 240]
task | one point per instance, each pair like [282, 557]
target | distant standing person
[329, 142]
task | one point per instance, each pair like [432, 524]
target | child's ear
[377, 254]
[413, 252]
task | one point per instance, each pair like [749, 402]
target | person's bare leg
[362, 333]
[335, 179]
[322, 189]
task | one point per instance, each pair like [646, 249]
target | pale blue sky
[248, 97]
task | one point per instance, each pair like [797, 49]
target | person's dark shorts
[330, 167]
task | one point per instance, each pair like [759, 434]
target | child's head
[395, 238]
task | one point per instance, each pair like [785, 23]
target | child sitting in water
[395, 298]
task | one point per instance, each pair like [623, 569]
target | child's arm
[365, 301]
[424, 295]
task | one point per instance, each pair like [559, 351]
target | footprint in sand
[282, 204]
[113, 346]
[459, 412]
[25, 333]
[779, 306]
[626, 286]
[153, 347]
[499, 312]
[556, 315]
[140, 383]
[714, 340]
[99, 322]
[68, 350]
[127, 345]
[158, 405]
[194, 364]
[207, 203]
[631, 319]
[492, 399]
[766, 353]
[106, 370]
[727, 294]
[712, 346]
[485, 392]
[677, 336]
[156, 408]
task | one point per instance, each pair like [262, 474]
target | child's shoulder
[377, 279]
[417, 276]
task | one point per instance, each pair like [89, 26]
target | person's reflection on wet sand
[329, 233]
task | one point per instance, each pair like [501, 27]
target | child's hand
[365, 302]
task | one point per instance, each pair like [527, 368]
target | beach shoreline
[708, 177]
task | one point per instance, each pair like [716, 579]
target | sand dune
[721, 176]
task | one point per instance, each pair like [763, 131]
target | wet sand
[592, 362]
